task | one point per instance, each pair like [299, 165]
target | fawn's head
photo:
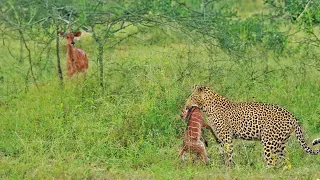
[186, 112]
[70, 37]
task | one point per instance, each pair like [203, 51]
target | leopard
[270, 124]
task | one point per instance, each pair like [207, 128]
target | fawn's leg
[204, 138]
[203, 153]
[211, 130]
[181, 153]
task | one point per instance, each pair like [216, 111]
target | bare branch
[304, 10]
[29, 57]
[122, 39]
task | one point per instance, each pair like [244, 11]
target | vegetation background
[122, 121]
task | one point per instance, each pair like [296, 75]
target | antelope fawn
[192, 142]
[77, 58]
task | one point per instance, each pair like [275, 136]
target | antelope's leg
[211, 130]
[181, 153]
[204, 138]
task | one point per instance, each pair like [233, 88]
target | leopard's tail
[303, 143]
[316, 141]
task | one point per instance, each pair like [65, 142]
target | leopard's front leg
[224, 134]
[227, 148]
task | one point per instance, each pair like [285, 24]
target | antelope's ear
[62, 34]
[77, 34]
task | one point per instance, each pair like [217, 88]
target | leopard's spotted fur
[271, 124]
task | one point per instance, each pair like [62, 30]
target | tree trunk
[58, 55]
[21, 50]
[203, 8]
[101, 65]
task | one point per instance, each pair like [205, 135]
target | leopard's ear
[194, 87]
[197, 88]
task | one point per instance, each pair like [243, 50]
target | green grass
[132, 130]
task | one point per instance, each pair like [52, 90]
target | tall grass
[132, 129]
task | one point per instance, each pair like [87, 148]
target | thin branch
[304, 10]
[29, 57]
[121, 28]
[318, 40]
[122, 39]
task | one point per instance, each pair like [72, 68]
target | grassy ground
[132, 130]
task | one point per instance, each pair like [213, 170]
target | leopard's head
[196, 99]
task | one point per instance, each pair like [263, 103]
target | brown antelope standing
[192, 142]
[77, 58]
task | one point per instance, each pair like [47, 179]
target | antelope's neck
[70, 51]
[195, 119]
